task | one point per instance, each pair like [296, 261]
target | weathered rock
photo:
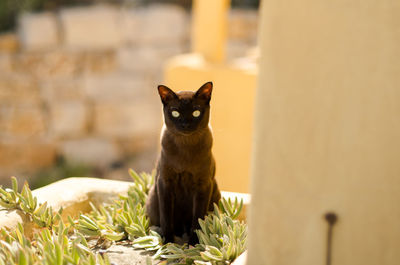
[89, 151]
[68, 119]
[17, 155]
[158, 24]
[126, 118]
[99, 62]
[22, 120]
[115, 87]
[91, 27]
[8, 43]
[38, 31]
[62, 89]
[5, 63]
[18, 88]
[125, 255]
[52, 64]
[145, 59]
[72, 194]
[63, 63]
[124, 106]
[99, 79]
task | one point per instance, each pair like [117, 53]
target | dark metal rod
[331, 218]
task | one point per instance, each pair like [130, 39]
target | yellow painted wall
[327, 133]
[231, 112]
[209, 29]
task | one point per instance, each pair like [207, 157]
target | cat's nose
[185, 125]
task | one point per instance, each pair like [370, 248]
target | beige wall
[327, 133]
[209, 29]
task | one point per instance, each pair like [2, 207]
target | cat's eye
[196, 113]
[175, 114]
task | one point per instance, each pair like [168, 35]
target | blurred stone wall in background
[79, 85]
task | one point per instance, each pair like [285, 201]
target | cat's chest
[184, 181]
[185, 161]
[190, 154]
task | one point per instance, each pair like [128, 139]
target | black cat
[185, 187]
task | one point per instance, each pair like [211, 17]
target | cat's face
[186, 112]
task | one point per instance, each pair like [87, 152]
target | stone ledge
[73, 194]
[241, 260]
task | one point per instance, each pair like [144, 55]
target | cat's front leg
[152, 209]
[166, 204]
[201, 201]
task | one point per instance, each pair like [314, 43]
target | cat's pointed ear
[205, 91]
[166, 93]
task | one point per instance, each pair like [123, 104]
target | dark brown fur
[185, 187]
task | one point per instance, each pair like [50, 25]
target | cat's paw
[156, 229]
[169, 239]
[193, 239]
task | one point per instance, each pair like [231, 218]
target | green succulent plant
[222, 237]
